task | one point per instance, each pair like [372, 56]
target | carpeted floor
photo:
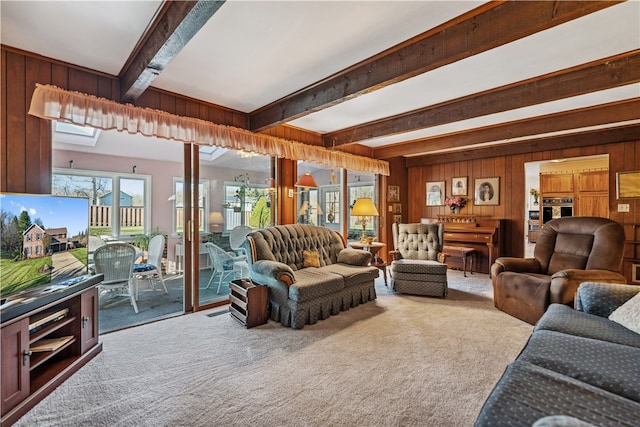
[399, 361]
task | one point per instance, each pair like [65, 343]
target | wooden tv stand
[46, 337]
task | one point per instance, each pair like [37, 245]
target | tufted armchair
[415, 268]
[569, 251]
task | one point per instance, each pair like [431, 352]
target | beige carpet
[399, 361]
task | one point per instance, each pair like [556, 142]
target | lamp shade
[306, 181]
[216, 218]
[364, 207]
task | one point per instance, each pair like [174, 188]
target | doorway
[584, 191]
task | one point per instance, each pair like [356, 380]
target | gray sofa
[578, 366]
[300, 294]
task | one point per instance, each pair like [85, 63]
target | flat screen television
[43, 242]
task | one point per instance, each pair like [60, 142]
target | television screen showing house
[43, 239]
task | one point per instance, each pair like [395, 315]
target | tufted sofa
[577, 366]
[415, 268]
[310, 273]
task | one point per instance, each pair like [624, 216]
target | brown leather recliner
[569, 251]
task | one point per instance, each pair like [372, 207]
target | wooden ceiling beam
[576, 140]
[465, 140]
[176, 23]
[486, 27]
[606, 73]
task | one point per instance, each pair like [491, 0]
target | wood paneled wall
[25, 141]
[623, 156]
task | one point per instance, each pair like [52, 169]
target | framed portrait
[628, 184]
[397, 208]
[487, 191]
[394, 193]
[397, 219]
[459, 186]
[435, 193]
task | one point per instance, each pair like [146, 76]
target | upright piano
[485, 235]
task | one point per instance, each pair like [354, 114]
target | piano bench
[461, 252]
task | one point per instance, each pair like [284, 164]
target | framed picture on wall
[628, 184]
[397, 208]
[487, 191]
[459, 186]
[394, 193]
[435, 193]
[397, 219]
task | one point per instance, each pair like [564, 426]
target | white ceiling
[252, 53]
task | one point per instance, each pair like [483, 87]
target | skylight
[73, 134]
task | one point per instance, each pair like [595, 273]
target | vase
[455, 209]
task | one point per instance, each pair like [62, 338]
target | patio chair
[153, 266]
[225, 265]
[115, 261]
[237, 237]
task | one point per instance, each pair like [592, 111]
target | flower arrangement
[535, 195]
[456, 202]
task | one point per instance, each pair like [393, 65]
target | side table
[376, 261]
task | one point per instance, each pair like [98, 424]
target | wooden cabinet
[556, 183]
[248, 302]
[15, 374]
[533, 229]
[89, 320]
[589, 189]
[594, 181]
[592, 205]
[592, 194]
[44, 341]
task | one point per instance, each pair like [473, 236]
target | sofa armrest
[602, 299]
[273, 270]
[564, 283]
[521, 265]
[395, 255]
[354, 257]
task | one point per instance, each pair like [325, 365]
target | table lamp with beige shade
[216, 225]
[364, 208]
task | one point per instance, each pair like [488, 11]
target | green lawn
[19, 275]
[80, 254]
[106, 231]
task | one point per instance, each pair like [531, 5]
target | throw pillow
[628, 314]
[310, 259]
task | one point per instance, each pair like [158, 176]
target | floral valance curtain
[50, 102]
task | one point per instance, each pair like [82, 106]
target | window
[118, 202]
[361, 185]
[246, 203]
[38, 236]
[321, 205]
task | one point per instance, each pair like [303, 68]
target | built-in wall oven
[556, 207]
